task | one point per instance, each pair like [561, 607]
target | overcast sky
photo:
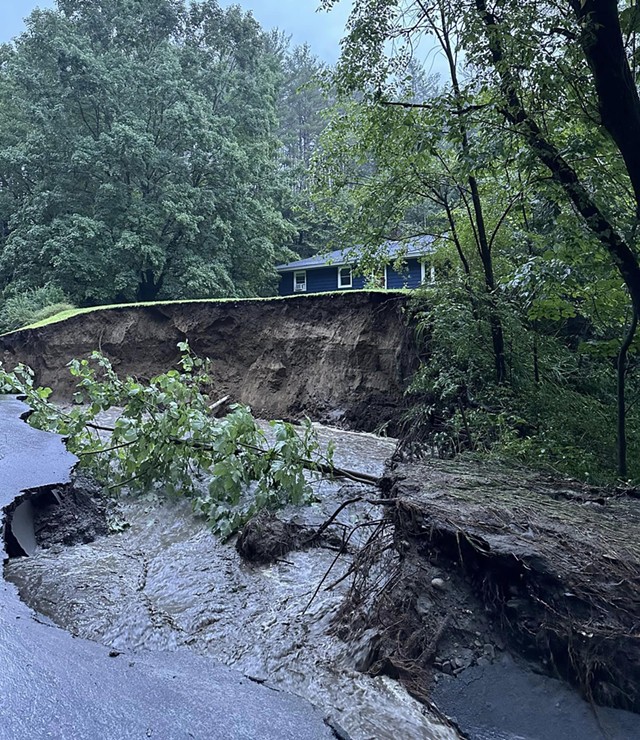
[322, 31]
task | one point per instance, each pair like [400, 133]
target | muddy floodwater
[166, 583]
[162, 582]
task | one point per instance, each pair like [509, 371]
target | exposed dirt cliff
[343, 359]
[489, 556]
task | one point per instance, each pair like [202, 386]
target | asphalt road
[53, 685]
[506, 700]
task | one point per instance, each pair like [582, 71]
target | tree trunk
[148, 287]
[497, 334]
[618, 99]
[484, 245]
[622, 405]
[514, 111]
[619, 106]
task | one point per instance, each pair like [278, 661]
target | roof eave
[299, 268]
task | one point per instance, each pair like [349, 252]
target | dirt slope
[549, 567]
[343, 358]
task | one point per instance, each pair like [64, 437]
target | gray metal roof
[415, 247]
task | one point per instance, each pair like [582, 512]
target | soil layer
[342, 359]
[488, 559]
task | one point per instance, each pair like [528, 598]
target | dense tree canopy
[139, 152]
[523, 154]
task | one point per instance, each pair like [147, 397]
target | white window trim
[423, 273]
[295, 276]
[345, 287]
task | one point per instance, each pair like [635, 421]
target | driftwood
[217, 405]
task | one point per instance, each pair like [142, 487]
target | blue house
[336, 270]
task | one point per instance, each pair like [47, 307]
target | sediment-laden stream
[55, 686]
[166, 583]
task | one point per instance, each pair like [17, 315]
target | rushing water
[167, 583]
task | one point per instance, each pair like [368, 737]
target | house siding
[409, 277]
[286, 283]
[359, 281]
[319, 280]
[325, 279]
[322, 280]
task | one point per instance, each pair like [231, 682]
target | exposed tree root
[473, 557]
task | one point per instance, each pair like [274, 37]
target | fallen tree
[167, 437]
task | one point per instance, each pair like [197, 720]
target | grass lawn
[70, 313]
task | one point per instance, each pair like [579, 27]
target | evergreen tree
[303, 105]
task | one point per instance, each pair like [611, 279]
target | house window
[300, 282]
[345, 277]
[428, 273]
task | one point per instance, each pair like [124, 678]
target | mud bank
[484, 562]
[341, 359]
[56, 686]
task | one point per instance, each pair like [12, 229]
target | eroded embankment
[493, 556]
[338, 358]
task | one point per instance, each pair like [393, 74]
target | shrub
[48, 311]
[32, 305]
[556, 412]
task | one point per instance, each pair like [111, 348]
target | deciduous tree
[138, 153]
